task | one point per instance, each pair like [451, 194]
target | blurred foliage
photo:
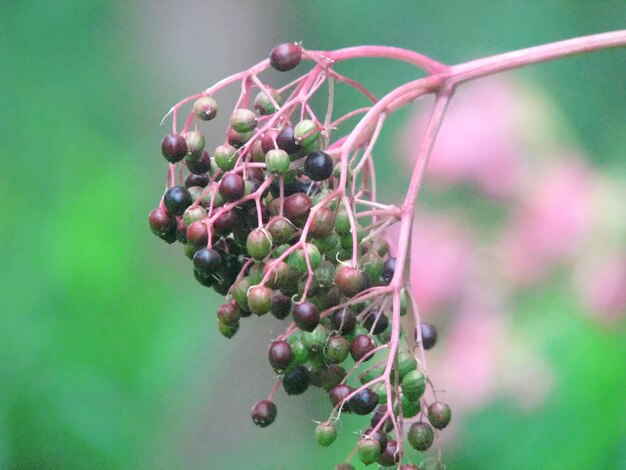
[110, 358]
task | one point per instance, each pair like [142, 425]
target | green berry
[264, 105]
[195, 144]
[406, 363]
[259, 243]
[260, 299]
[316, 339]
[277, 161]
[300, 352]
[337, 349]
[306, 132]
[368, 450]
[205, 108]
[421, 436]
[325, 434]
[413, 385]
[243, 120]
[225, 157]
[439, 415]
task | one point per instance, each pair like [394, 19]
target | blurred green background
[110, 356]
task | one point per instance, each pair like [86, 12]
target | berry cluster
[270, 220]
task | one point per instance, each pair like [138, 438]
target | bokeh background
[109, 353]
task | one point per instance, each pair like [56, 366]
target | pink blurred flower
[441, 260]
[478, 142]
[602, 285]
[552, 219]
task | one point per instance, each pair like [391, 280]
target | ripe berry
[285, 56]
[306, 316]
[264, 413]
[421, 436]
[390, 455]
[368, 450]
[296, 381]
[232, 187]
[200, 165]
[243, 120]
[325, 434]
[224, 223]
[389, 267]
[364, 402]
[177, 199]
[349, 280]
[381, 320]
[199, 181]
[361, 346]
[380, 412]
[429, 335]
[285, 140]
[439, 414]
[281, 305]
[318, 166]
[343, 321]
[205, 108]
[280, 355]
[206, 261]
[173, 148]
[338, 393]
[162, 223]
[332, 376]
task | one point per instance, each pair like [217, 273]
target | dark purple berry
[382, 322]
[297, 208]
[224, 223]
[390, 455]
[318, 166]
[361, 346]
[201, 165]
[199, 181]
[285, 56]
[232, 187]
[323, 223]
[343, 321]
[204, 279]
[332, 376]
[364, 402]
[285, 140]
[338, 393]
[207, 261]
[429, 335]
[162, 223]
[389, 267]
[177, 199]
[280, 355]
[264, 413]
[296, 381]
[281, 306]
[306, 316]
[173, 148]
[380, 412]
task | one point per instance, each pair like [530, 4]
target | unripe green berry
[195, 144]
[259, 243]
[228, 330]
[297, 259]
[406, 363]
[368, 450]
[325, 434]
[342, 222]
[225, 157]
[193, 213]
[413, 385]
[306, 132]
[243, 120]
[259, 299]
[264, 105]
[316, 339]
[421, 436]
[300, 352]
[277, 161]
[205, 108]
[239, 291]
[337, 349]
[439, 414]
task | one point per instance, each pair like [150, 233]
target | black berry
[318, 166]
[177, 199]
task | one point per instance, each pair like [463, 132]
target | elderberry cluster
[258, 219]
